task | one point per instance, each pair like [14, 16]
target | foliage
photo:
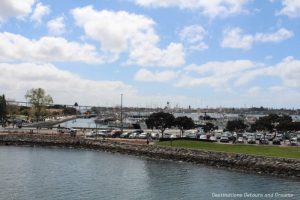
[39, 100]
[208, 127]
[184, 123]
[288, 126]
[76, 104]
[56, 106]
[12, 109]
[150, 123]
[236, 125]
[206, 117]
[24, 111]
[69, 111]
[3, 110]
[161, 121]
[272, 122]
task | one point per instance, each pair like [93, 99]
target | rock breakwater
[282, 167]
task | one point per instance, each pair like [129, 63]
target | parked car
[154, 135]
[133, 135]
[168, 135]
[251, 140]
[203, 137]
[279, 136]
[269, 136]
[139, 131]
[224, 138]
[72, 130]
[276, 141]
[240, 140]
[263, 141]
[213, 138]
[218, 135]
[116, 133]
[250, 135]
[294, 141]
[191, 135]
[101, 134]
[125, 134]
[62, 130]
[229, 135]
[90, 134]
[258, 136]
[143, 135]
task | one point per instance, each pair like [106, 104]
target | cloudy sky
[188, 52]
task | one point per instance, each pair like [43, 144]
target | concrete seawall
[282, 167]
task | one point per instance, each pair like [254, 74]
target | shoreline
[263, 165]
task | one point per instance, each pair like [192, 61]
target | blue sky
[229, 53]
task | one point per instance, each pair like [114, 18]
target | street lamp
[121, 113]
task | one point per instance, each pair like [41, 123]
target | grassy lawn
[275, 151]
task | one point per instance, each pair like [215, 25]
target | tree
[236, 126]
[3, 110]
[76, 104]
[208, 127]
[70, 111]
[262, 124]
[12, 109]
[150, 122]
[273, 121]
[184, 123]
[39, 100]
[160, 121]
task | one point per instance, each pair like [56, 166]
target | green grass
[275, 151]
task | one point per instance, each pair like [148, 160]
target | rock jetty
[283, 167]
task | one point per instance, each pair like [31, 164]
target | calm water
[82, 122]
[49, 173]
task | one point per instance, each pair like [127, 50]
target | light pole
[121, 113]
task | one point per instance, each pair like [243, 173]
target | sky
[217, 53]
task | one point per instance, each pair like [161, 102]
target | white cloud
[289, 71]
[15, 8]
[148, 76]
[67, 88]
[56, 26]
[47, 49]
[279, 96]
[238, 77]
[278, 36]
[291, 8]
[144, 55]
[211, 8]
[254, 91]
[250, 75]
[120, 32]
[63, 86]
[235, 38]
[39, 12]
[215, 74]
[194, 36]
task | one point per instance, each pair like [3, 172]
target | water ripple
[62, 174]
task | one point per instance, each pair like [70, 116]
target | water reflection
[41, 173]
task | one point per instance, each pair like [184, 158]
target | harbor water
[82, 123]
[53, 173]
